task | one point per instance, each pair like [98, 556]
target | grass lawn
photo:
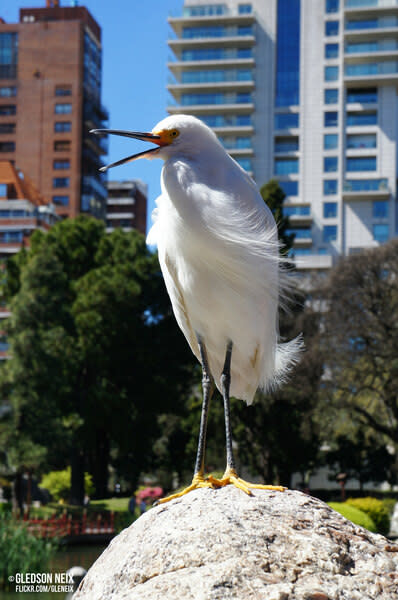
[115, 504]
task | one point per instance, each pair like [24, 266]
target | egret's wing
[178, 301]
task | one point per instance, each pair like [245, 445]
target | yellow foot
[231, 477]
[198, 481]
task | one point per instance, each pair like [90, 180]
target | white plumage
[219, 254]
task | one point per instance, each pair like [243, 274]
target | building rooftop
[19, 186]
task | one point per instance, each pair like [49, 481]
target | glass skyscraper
[303, 91]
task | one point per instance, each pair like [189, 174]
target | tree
[361, 338]
[274, 196]
[90, 338]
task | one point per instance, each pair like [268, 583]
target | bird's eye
[174, 133]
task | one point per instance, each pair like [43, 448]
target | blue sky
[135, 53]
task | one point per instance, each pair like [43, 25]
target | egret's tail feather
[286, 357]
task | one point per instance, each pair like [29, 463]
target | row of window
[329, 234]
[59, 127]
[226, 120]
[216, 31]
[238, 143]
[217, 76]
[361, 96]
[211, 10]
[374, 68]
[217, 98]
[290, 166]
[216, 53]
[291, 120]
[64, 108]
[383, 22]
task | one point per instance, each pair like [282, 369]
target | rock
[221, 544]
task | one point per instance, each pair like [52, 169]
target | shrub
[355, 515]
[20, 551]
[58, 484]
[390, 503]
[375, 509]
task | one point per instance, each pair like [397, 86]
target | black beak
[144, 136]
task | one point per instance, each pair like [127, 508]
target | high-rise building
[126, 205]
[50, 97]
[304, 91]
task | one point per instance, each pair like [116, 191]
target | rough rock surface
[221, 544]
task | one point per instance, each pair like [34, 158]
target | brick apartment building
[50, 97]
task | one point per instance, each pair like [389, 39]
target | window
[380, 232]
[331, 119]
[7, 128]
[365, 185]
[7, 146]
[63, 109]
[331, 73]
[363, 96]
[61, 200]
[61, 164]
[332, 6]
[286, 120]
[302, 233]
[330, 141]
[245, 30]
[357, 163]
[288, 53]
[63, 90]
[330, 187]
[329, 233]
[289, 187]
[331, 96]
[245, 163]
[3, 190]
[362, 118]
[11, 236]
[361, 140]
[204, 10]
[354, 47]
[62, 126]
[331, 28]
[216, 76]
[329, 210]
[286, 166]
[62, 146]
[245, 9]
[8, 109]
[330, 164]
[380, 209]
[362, 24]
[286, 144]
[60, 182]
[8, 55]
[297, 210]
[8, 91]
[331, 50]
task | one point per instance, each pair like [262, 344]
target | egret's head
[176, 134]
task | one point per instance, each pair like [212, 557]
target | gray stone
[221, 544]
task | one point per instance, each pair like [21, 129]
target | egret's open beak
[146, 137]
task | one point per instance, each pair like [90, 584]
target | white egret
[219, 254]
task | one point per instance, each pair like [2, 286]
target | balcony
[228, 18]
[178, 66]
[237, 41]
[357, 189]
[176, 89]
[216, 109]
[314, 261]
[369, 7]
[369, 73]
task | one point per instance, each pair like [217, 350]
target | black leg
[225, 385]
[208, 387]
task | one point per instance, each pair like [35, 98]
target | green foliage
[90, 337]
[21, 552]
[375, 509]
[354, 514]
[274, 196]
[389, 504]
[58, 483]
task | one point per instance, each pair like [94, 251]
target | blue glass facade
[286, 120]
[289, 187]
[288, 53]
